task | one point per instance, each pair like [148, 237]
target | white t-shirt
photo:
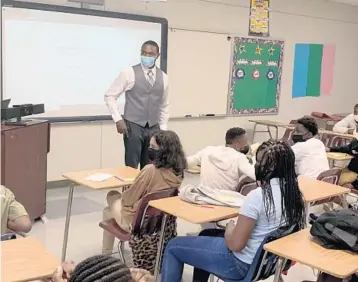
[311, 158]
[221, 167]
[253, 207]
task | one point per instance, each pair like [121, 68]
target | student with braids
[228, 253]
[310, 152]
[100, 268]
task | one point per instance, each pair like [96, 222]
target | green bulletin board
[256, 76]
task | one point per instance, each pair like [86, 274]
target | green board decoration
[255, 81]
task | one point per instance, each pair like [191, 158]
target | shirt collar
[145, 69]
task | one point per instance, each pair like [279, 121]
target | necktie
[150, 77]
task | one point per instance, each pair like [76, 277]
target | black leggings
[200, 275]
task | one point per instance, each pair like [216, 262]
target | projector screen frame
[89, 12]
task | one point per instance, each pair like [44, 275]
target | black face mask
[245, 150]
[152, 154]
[297, 138]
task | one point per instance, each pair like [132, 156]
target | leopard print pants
[144, 247]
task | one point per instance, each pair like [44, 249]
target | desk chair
[146, 221]
[330, 176]
[265, 264]
[246, 185]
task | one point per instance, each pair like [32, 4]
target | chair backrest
[246, 185]
[331, 176]
[264, 264]
[145, 212]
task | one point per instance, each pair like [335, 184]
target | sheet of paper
[98, 177]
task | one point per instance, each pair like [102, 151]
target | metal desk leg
[269, 131]
[276, 132]
[279, 267]
[344, 201]
[254, 133]
[160, 247]
[307, 206]
[67, 223]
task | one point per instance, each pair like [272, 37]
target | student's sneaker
[313, 216]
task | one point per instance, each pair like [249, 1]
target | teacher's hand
[121, 127]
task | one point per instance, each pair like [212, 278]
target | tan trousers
[113, 210]
[347, 177]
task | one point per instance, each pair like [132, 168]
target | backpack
[337, 230]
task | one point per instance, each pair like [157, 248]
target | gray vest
[143, 101]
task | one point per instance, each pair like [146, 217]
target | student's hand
[141, 275]
[121, 127]
[63, 272]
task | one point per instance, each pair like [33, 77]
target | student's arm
[343, 125]
[246, 167]
[164, 107]
[18, 218]
[237, 236]
[195, 160]
[123, 83]
[139, 187]
[347, 149]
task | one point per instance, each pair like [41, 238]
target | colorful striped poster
[313, 70]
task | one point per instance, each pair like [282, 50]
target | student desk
[315, 190]
[304, 249]
[268, 124]
[79, 178]
[26, 260]
[329, 132]
[333, 157]
[194, 170]
[196, 214]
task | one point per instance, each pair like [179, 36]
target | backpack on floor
[337, 230]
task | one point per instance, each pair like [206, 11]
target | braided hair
[277, 160]
[101, 268]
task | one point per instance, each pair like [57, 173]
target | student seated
[99, 268]
[166, 171]
[222, 167]
[310, 152]
[350, 173]
[349, 124]
[13, 214]
[228, 253]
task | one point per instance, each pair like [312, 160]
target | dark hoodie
[351, 149]
[150, 179]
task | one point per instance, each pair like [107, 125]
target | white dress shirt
[311, 158]
[349, 122]
[125, 82]
[222, 167]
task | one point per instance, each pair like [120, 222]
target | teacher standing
[146, 109]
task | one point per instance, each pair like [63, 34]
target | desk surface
[25, 260]
[270, 123]
[329, 132]
[194, 213]
[194, 170]
[315, 190]
[339, 156]
[302, 247]
[79, 177]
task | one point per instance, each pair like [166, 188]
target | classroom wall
[82, 146]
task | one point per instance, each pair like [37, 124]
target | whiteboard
[68, 61]
[198, 69]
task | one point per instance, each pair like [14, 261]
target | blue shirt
[253, 207]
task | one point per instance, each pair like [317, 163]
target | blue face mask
[148, 62]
